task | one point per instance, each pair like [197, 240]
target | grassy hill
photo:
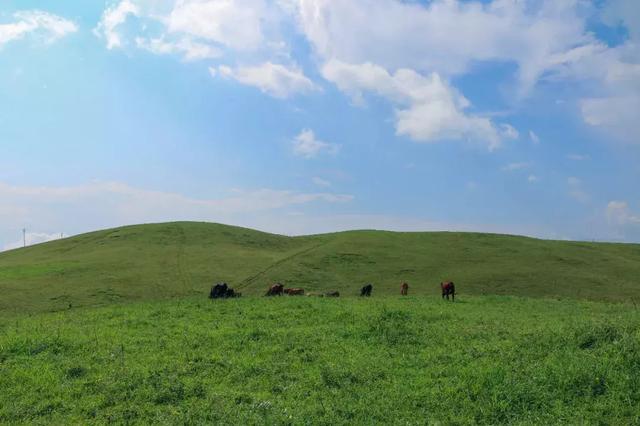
[289, 361]
[160, 261]
[147, 347]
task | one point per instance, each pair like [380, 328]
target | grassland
[165, 261]
[384, 360]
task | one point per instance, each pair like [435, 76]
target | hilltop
[160, 261]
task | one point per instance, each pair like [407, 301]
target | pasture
[294, 360]
[169, 260]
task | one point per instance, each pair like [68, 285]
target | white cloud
[429, 110]
[516, 166]
[321, 182]
[577, 157]
[114, 17]
[534, 138]
[444, 36]
[619, 213]
[50, 27]
[106, 204]
[576, 190]
[237, 24]
[306, 145]
[273, 79]
[32, 238]
[617, 114]
[624, 12]
[509, 132]
[533, 178]
[191, 50]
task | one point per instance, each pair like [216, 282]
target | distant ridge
[159, 261]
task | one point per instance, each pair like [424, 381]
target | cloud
[616, 114]
[32, 238]
[273, 79]
[508, 131]
[429, 109]
[306, 145]
[577, 157]
[534, 138]
[444, 36]
[106, 204]
[191, 50]
[114, 17]
[35, 22]
[516, 166]
[237, 24]
[533, 178]
[619, 213]
[576, 190]
[321, 182]
[625, 12]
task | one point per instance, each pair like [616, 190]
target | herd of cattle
[223, 291]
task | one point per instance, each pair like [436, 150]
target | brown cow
[404, 289]
[448, 288]
[275, 290]
[294, 291]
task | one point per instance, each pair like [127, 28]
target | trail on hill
[250, 280]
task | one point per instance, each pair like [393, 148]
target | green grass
[383, 360]
[164, 261]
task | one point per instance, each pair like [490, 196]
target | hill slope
[158, 261]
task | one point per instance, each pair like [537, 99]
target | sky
[309, 116]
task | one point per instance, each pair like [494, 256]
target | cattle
[218, 291]
[275, 290]
[366, 290]
[232, 293]
[448, 288]
[294, 291]
[222, 291]
[404, 289]
[332, 294]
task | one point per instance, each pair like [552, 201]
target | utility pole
[24, 237]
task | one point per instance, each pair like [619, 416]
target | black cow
[366, 290]
[332, 294]
[232, 293]
[219, 291]
[222, 291]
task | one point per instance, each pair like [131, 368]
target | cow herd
[223, 291]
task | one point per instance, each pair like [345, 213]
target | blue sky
[305, 116]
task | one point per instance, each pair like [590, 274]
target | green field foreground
[169, 260]
[303, 360]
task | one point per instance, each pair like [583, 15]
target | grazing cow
[366, 290]
[448, 288]
[275, 290]
[294, 291]
[232, 293]
[332, 294]
[218, 291]
[222, 291]
[404, 289]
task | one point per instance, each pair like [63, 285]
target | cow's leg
[453, 296]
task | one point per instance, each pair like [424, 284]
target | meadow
[115, 327]
[182, 259]
[302, 360]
